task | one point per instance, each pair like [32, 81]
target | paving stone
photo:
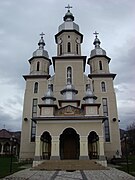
[110, 174]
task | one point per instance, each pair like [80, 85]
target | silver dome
[68, 23]
[40, 51]
[98, 50]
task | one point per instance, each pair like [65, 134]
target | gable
[69, 111]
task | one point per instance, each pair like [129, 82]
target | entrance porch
[69, 145]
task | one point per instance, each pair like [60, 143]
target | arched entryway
[7, 148]
[46, 145]
[69, 144]
[93, 145]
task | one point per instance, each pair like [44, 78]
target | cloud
[23, 21]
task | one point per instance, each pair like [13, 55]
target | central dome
[68, 23]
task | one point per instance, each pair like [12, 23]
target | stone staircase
[70, 165]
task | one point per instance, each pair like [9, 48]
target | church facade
[69, 115]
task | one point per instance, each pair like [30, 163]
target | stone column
[83, 147]
[55, 154]
[102, 158]
[37, 157]
[2, 148]
[37, 148]
[101, 147]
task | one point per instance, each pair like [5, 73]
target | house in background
[9, 142]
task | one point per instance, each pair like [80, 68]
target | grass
[5, 162]
[131, 165]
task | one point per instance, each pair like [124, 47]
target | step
[70, 165]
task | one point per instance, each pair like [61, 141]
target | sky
[22, 21]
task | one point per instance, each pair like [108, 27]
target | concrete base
[103, 163]
[36, 163]
[83, 158]
[54, 158]
[37, 158]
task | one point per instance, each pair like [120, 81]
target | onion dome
[49, 98]
[89, 97]
[98, 50]
[68, 22]
[40, 51]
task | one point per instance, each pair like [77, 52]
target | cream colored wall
[27, 147]
[43, 68]
[83, 128]
[72, 40]
[95, 65]
[61, 75]
[47, 111]
[114, 144]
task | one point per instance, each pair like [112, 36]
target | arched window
[36, 87]
[69, 75]
[103, 87]
[100, 65]
[38, 64]
[77, 49]
[60, 50]
[68, 47]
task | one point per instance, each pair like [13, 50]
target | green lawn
[123, 166]
[5, 166]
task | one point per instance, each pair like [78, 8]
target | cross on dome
[96, 33]
[41, 41]
[68, 7]
[42, 35]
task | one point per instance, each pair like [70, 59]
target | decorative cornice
[72, 30]
[69, 101]
[48, 105]
[70, 118]
[89, 59]
[36, 77]
[103, 75]
[94, 104]
[39, 58]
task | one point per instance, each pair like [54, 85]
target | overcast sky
[21, 22]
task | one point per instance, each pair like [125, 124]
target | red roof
[5, 134]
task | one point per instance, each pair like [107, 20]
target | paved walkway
[111, 174]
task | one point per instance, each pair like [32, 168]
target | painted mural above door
[69, 111]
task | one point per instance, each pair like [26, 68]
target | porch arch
[69, 144]
[46, 145]
[93, 145]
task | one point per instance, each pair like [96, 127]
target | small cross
[4, 126]
[68, 7]
[42, 34]
[96, 33]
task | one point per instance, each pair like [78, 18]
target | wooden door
[70, 148]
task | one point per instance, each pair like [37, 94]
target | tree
[131, 138]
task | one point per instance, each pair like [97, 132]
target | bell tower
[103, 88]
[36, 85]
[40, 62]
[69, 40]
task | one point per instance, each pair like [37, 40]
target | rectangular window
[106, 123]
[34, 114]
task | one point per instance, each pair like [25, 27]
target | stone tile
[111, 174]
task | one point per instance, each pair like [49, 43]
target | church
[69, 115]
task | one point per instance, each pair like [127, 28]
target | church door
[69, 144]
